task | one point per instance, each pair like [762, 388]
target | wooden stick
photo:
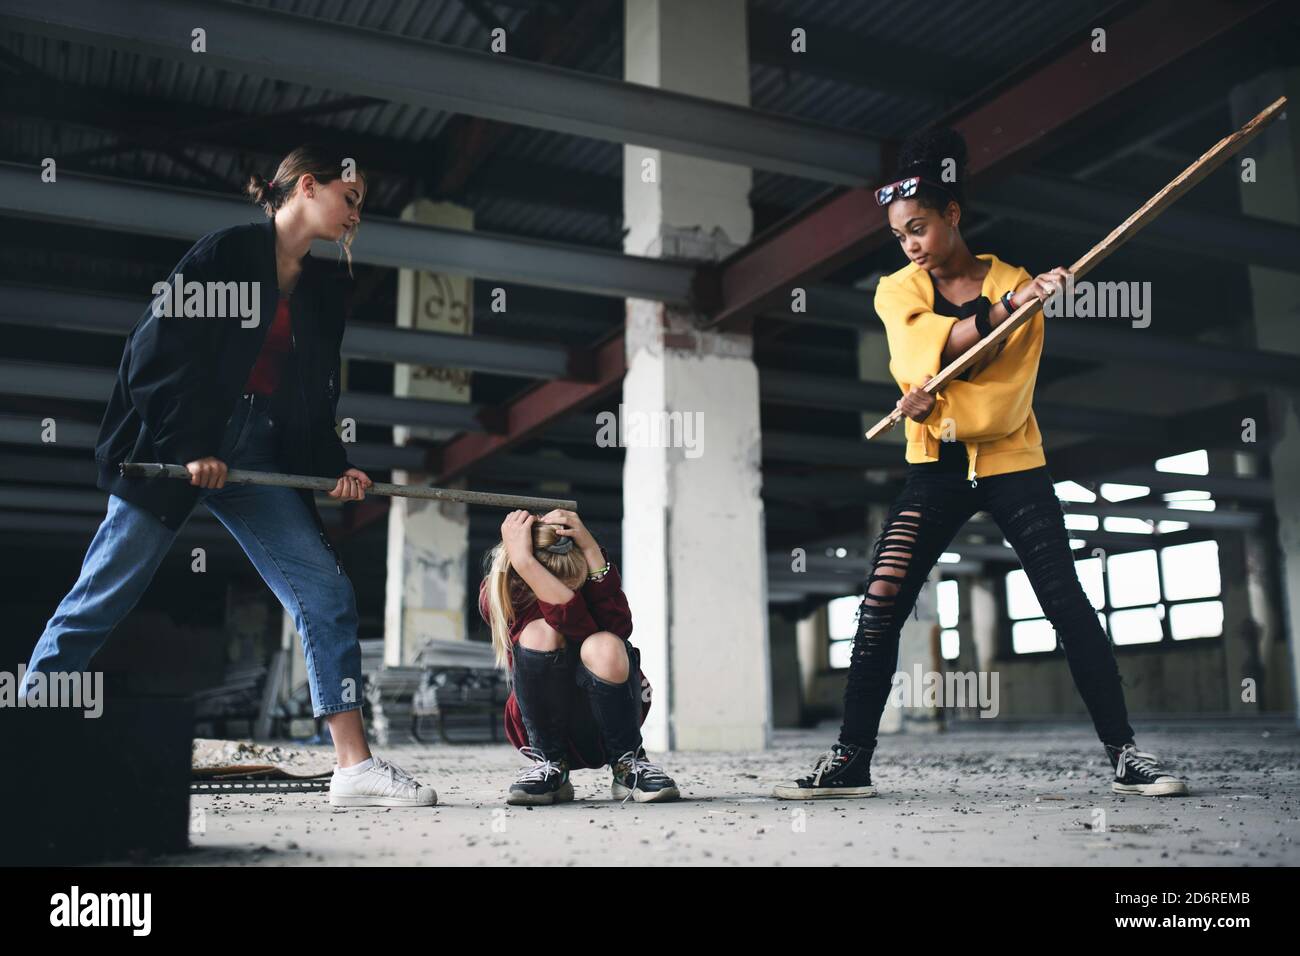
[1121, 234]
[310, 483]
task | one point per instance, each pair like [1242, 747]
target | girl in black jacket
[236, 363]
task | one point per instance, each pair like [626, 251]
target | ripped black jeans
[937, 499]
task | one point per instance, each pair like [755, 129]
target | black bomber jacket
[181, 377]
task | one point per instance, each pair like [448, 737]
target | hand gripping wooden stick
[310, 483]
[1122, 233]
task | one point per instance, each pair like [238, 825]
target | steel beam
[104, 203]
[328, 55]
[1002, 130]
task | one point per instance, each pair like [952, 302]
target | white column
[428, 541]
[693, 541]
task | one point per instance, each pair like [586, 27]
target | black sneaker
[842, 771]
[1139, 773]
[644, 782]
[544, 783]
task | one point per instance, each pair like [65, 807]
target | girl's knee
[539, 636]
[605, 655]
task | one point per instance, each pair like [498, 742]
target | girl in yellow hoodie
[974, 446]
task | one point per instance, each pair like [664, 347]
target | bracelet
[598, 575]
[1006, 301]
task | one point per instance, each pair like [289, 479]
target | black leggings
[936, 501]
[570, 712]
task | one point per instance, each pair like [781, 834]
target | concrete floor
[973, 796]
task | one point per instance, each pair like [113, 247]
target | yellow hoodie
[992, 413]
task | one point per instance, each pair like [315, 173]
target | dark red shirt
[265, 375]
[595, 606]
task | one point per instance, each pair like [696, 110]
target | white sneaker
[384, 785]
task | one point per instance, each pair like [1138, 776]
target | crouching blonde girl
[560, 626]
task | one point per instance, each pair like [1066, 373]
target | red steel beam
[1018, 119]
[530, 413]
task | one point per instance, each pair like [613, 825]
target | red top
[596, 606]
[265, 375]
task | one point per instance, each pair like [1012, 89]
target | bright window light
[1077, 543]
[949, 557]
[1116, 492]
[1093, 581]
[949, 602]
[1021, 602]
[1191, 570]
[949, 645]
[1127, 525]
[1169, 527]
[1193, 505]
[1073, 491]
[1132, 579]
[842, 617]
[1201, 619]
[1187, 496]
[1081, 522]
[1032, 637]
[1141, 625]
[1190, 463]
[839, 656]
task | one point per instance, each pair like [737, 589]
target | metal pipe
[311, 483]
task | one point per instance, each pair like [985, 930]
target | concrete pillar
[812, 639]
[1276, 298]
[983, 620]
[428, 541]
[694, 561]
[1273, 688]
[787, 696]
[1240, 630]
[967, 655]
[1240, 639]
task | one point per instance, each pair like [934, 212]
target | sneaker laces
[1144, 763]
[640, 768]
[399, 777]
[826, 762]
[542, 768]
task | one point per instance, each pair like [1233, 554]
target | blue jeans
[276, 531]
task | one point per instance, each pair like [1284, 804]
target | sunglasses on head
[903, 189]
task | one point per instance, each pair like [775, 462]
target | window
[1191, 463]
[1141, 597]
[842, 623]
[949, 598]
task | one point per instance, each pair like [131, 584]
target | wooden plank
[1189, 177]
